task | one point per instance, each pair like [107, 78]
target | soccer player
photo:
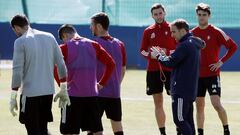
[210, 65]
[35, 54]
[185, 62]
[81, 56]
[158, 34]
[109, 96]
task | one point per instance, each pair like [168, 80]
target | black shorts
[212, 84]
[38, 112]
[154, 83]
[83, 113]
[112, 107]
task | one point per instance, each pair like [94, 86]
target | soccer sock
[162, 131]
[200, 131]
[178, 131]
[118, 133]
[226, 130]
[90, 133]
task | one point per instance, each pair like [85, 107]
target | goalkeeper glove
[63, 97]
[13, 103]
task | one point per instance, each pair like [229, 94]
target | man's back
[36, 52]
[117, 50]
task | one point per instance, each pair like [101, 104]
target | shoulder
[195, 29]
[219, 32]
[150, 28]
[43, 33]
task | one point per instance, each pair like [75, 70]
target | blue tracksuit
[185, 62]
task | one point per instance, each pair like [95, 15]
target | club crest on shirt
[166, 33]
[153, 35]
[208, 37]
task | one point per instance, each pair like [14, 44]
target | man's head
[158, 12]
[99, 23]
[179, 28]
[203, 12]
[66, 32]
[19, 24]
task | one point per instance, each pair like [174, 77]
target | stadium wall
[131, 36]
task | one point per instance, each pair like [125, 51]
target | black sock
[89, 133]
[118, 133]
[178, 131]
[200, 131]
[226, 130]
[162, 131]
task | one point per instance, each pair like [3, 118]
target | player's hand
[13, 103]
[155, 52]
[99, 86]
[215, 66]
[63, 97]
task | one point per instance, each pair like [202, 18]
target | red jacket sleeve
[64, 52]
[107, 60]
[230, 45]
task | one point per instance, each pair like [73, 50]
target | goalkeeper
[35, 54]
[185, 63]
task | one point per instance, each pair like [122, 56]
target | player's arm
[59, 62]
[145, 45]
[107, 60]
[230, 45]
[124, 60]
[61, 76]
[18, 64]
[63, 48]
[170, 61]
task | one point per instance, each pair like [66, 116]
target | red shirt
[157, 35]
[123, 50]
[214, 38]
[102, 56]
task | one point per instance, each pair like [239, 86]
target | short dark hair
[19, 20]
[204, 7]
[66, 28]
[157, 6]
[181, 24]
[101, 18]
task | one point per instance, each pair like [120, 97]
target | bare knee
[116, 126]
[218, 107]
[158, 101]
[200, 104]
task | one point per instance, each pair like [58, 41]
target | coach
[185, 63]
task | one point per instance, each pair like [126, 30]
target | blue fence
[131, 36]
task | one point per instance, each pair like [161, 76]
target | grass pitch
[138, 108]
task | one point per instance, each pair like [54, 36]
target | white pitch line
[168, 100]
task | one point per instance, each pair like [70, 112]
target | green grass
[138, 109]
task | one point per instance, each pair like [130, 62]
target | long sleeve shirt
[214, 38]
[35, 54]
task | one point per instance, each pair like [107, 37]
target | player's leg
[159, 111]
[33, 114]
[215, 93]
[91, 118]
[155, 88]
[46, 113]
[200, 105]
[117, 127]
[70, 121]
[113, 110]
[181, 110]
